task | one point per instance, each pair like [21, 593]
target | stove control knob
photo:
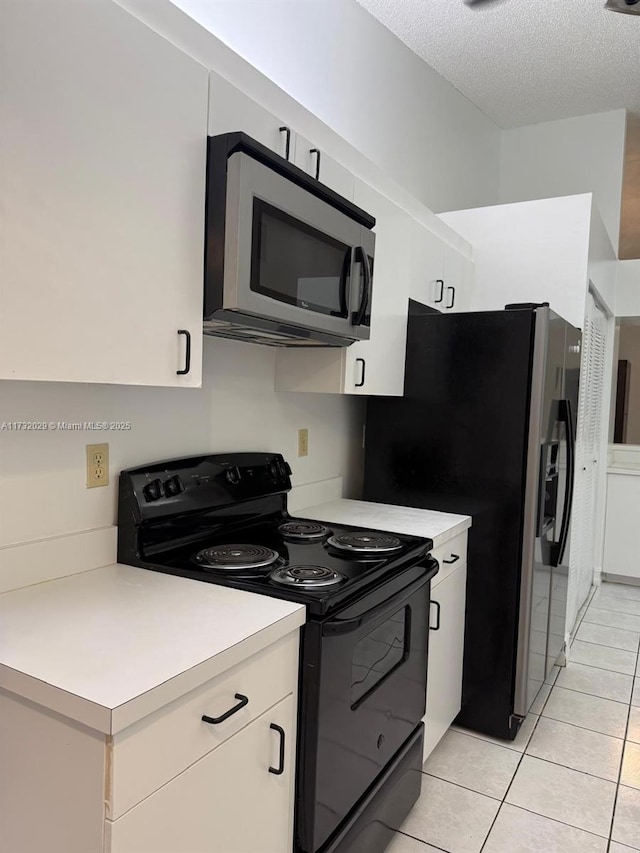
[173, 486]
[233, 476]
[152, 491]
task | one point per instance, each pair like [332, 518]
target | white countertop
[109, 646]
[439, 526]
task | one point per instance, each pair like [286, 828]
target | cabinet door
[427, 267]
[444, 673]
[329, 172]
[103, 151]
[228, 802]
[231, 110]
[376, 366]
[458, 281]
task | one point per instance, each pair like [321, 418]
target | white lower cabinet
[446, 647]
[171, 782]
[237, 799]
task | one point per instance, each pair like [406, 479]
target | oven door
[363, 690]
[291, 257]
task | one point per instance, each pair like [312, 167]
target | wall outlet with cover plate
[97, 465]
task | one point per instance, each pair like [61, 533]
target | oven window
[295, 263]
[379, 653]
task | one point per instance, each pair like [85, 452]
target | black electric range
[223, 519]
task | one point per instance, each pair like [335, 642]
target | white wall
[42, 475]
[628, 289]
[534, 251]
[342, 64]
[566, 157]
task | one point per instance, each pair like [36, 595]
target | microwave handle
[344, 277]
[363, 258]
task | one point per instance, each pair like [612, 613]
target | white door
[103, 150]
[427, 284]
[591, 411]
[376, 366]
[230, 110]
[228, 802]
[328, 171]
[446, 648]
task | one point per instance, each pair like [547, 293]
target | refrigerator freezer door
[457, 442]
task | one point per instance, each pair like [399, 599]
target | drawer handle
[187, 357]
[441, 295]
[454, 559]
[215, 720]
[279, 770]
[436, 627]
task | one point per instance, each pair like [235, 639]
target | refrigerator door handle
[565, 416]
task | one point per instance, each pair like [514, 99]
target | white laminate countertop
[109, 646]
[439, 526]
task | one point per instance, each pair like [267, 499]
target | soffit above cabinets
[524, 62]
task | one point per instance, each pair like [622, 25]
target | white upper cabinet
[103, 150]
[441, 276]
[427, 267]
[230, 110]
[325, 169]
[458, 281]
[376, 366]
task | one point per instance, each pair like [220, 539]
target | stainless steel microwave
[288, 262]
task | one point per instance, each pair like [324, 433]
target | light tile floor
[570, 782]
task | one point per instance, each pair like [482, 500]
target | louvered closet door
[588, 451]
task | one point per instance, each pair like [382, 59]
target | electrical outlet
[97, 465]
[303, 442]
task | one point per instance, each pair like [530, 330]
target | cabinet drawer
[159, 747]
[228, 802]
[451, 556]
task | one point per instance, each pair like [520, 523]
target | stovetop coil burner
[365, 542]
[234, 558]
[306, 577]
[307, 531]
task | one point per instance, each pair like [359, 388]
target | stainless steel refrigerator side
[530, 514]
[560, 573]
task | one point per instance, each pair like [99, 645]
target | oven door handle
[334, 627]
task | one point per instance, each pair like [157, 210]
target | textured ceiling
[524, 61]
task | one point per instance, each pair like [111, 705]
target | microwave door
[289, 256]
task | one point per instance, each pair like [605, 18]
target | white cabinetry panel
[228, 802]
[446, 647]
[622, 532]
[103, 152]
[427, 267]
[230, 110]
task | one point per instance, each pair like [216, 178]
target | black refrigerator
[487, 428]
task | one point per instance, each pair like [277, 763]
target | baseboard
[609, 577]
